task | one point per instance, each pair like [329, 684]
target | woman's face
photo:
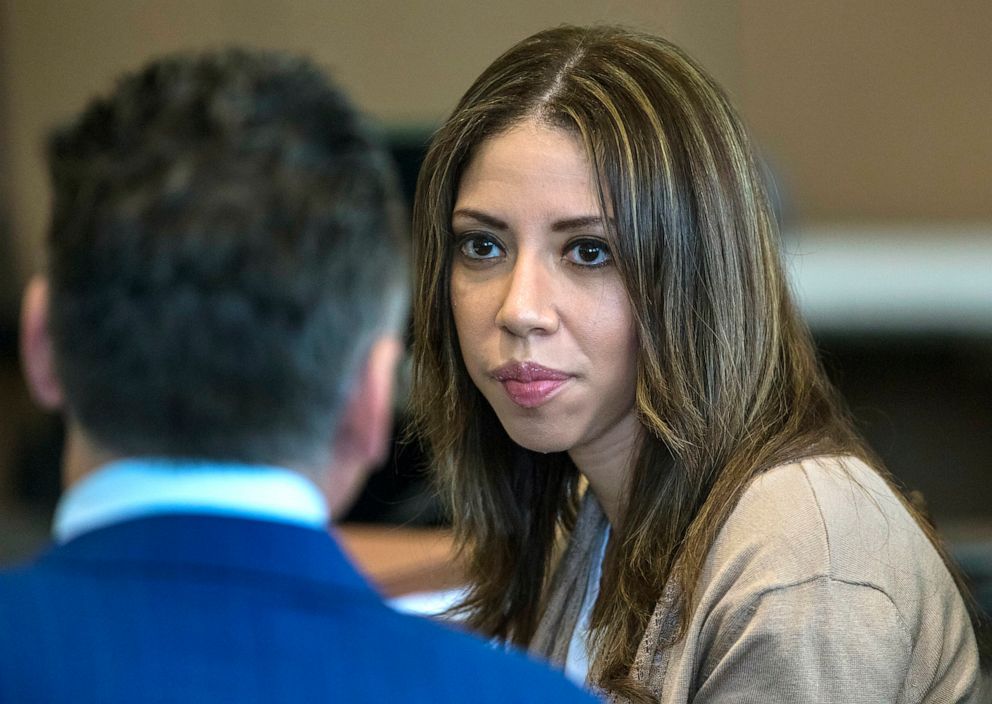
[544, 323]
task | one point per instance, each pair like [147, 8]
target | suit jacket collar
[215, 542]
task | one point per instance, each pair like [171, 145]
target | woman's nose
[528, 305]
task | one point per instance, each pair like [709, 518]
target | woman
[600, 303]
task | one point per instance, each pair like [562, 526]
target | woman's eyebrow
[567, 225]
[579, 223]
[481, 217]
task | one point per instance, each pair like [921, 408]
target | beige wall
[874, 109]
[869, 110]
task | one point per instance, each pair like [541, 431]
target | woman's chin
[528, 439]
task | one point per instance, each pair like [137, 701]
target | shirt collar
[136, 488]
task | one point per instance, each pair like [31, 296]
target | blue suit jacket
[188, 608]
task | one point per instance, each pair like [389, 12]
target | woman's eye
[588, 253]
[480, 247]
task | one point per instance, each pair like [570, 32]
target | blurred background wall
[873, 117]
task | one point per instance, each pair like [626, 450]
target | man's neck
[82, 456]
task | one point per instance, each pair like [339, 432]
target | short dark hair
[226, 239]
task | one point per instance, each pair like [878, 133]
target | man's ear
[365, 426]
[37, 354]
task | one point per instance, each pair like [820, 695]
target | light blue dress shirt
[135, 488]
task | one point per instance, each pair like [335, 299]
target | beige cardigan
[819, 588]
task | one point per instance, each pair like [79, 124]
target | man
[219, 324]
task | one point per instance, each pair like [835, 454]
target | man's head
[225, 251]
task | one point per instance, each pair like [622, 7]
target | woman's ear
[362, 439]
[37, 354]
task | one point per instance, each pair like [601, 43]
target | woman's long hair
[728, 384]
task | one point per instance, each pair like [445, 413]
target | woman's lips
[529, 384]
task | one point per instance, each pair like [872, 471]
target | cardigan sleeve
[822, 588]
[822, 640]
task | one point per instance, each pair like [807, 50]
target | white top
[577, 662]
[136, 488]
[433, 603]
